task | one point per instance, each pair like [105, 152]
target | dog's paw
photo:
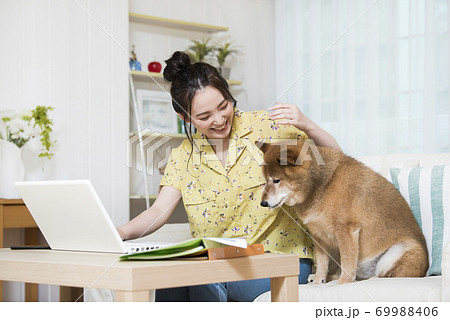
[344, 279]
[320, 281]
[316, 280]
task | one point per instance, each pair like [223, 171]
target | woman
[217, 173]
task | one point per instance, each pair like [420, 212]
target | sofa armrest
[445, 267]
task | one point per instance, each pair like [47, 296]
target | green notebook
[191, 247]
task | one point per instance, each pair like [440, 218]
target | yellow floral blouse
[225, 201]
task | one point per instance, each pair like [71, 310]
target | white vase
[35, 167]
[11, 169]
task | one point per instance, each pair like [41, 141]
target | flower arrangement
[20, 127]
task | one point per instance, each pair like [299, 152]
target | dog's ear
[292, 155]
[262, 146]
[288, 155]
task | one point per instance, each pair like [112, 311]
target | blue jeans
[243, 291]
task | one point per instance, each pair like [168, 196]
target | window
[372, 73]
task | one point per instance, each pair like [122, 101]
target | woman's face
[212, 114]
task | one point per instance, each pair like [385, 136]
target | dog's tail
[403, 259]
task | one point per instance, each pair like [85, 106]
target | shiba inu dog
[347, 207]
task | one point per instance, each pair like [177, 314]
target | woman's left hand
[291, 115]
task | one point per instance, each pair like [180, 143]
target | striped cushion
[427, 190]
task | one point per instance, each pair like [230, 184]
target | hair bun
[176, 65]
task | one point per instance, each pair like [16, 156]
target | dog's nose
[264, 204]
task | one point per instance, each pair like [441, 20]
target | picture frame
[156, 111]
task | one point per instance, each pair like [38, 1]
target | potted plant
[16, 130]
[222, 52]
[200, 50]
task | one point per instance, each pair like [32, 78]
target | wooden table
[14, 214]
[132, 280]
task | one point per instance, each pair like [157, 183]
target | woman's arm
[154, 217]
[293, 116]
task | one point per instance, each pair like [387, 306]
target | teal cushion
[427, 190]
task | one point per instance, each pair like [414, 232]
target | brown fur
[347, 207]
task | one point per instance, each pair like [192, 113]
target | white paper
[236, 242]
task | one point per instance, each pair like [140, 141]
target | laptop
[71, 217]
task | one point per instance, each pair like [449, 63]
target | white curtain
[375, 74]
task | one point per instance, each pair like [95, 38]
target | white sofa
[427, 289]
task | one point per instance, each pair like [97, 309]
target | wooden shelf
[172, 135]
[146, 76]
[150, 76]
[11, 201]
[139, 197]
[172, 23]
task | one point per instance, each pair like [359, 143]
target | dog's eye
[276, 180]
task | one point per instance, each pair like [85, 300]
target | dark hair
[187, 79]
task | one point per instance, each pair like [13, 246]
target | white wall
[53, 54]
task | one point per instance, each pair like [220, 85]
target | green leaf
[223, 51]
[200, 50]
[41, 119]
